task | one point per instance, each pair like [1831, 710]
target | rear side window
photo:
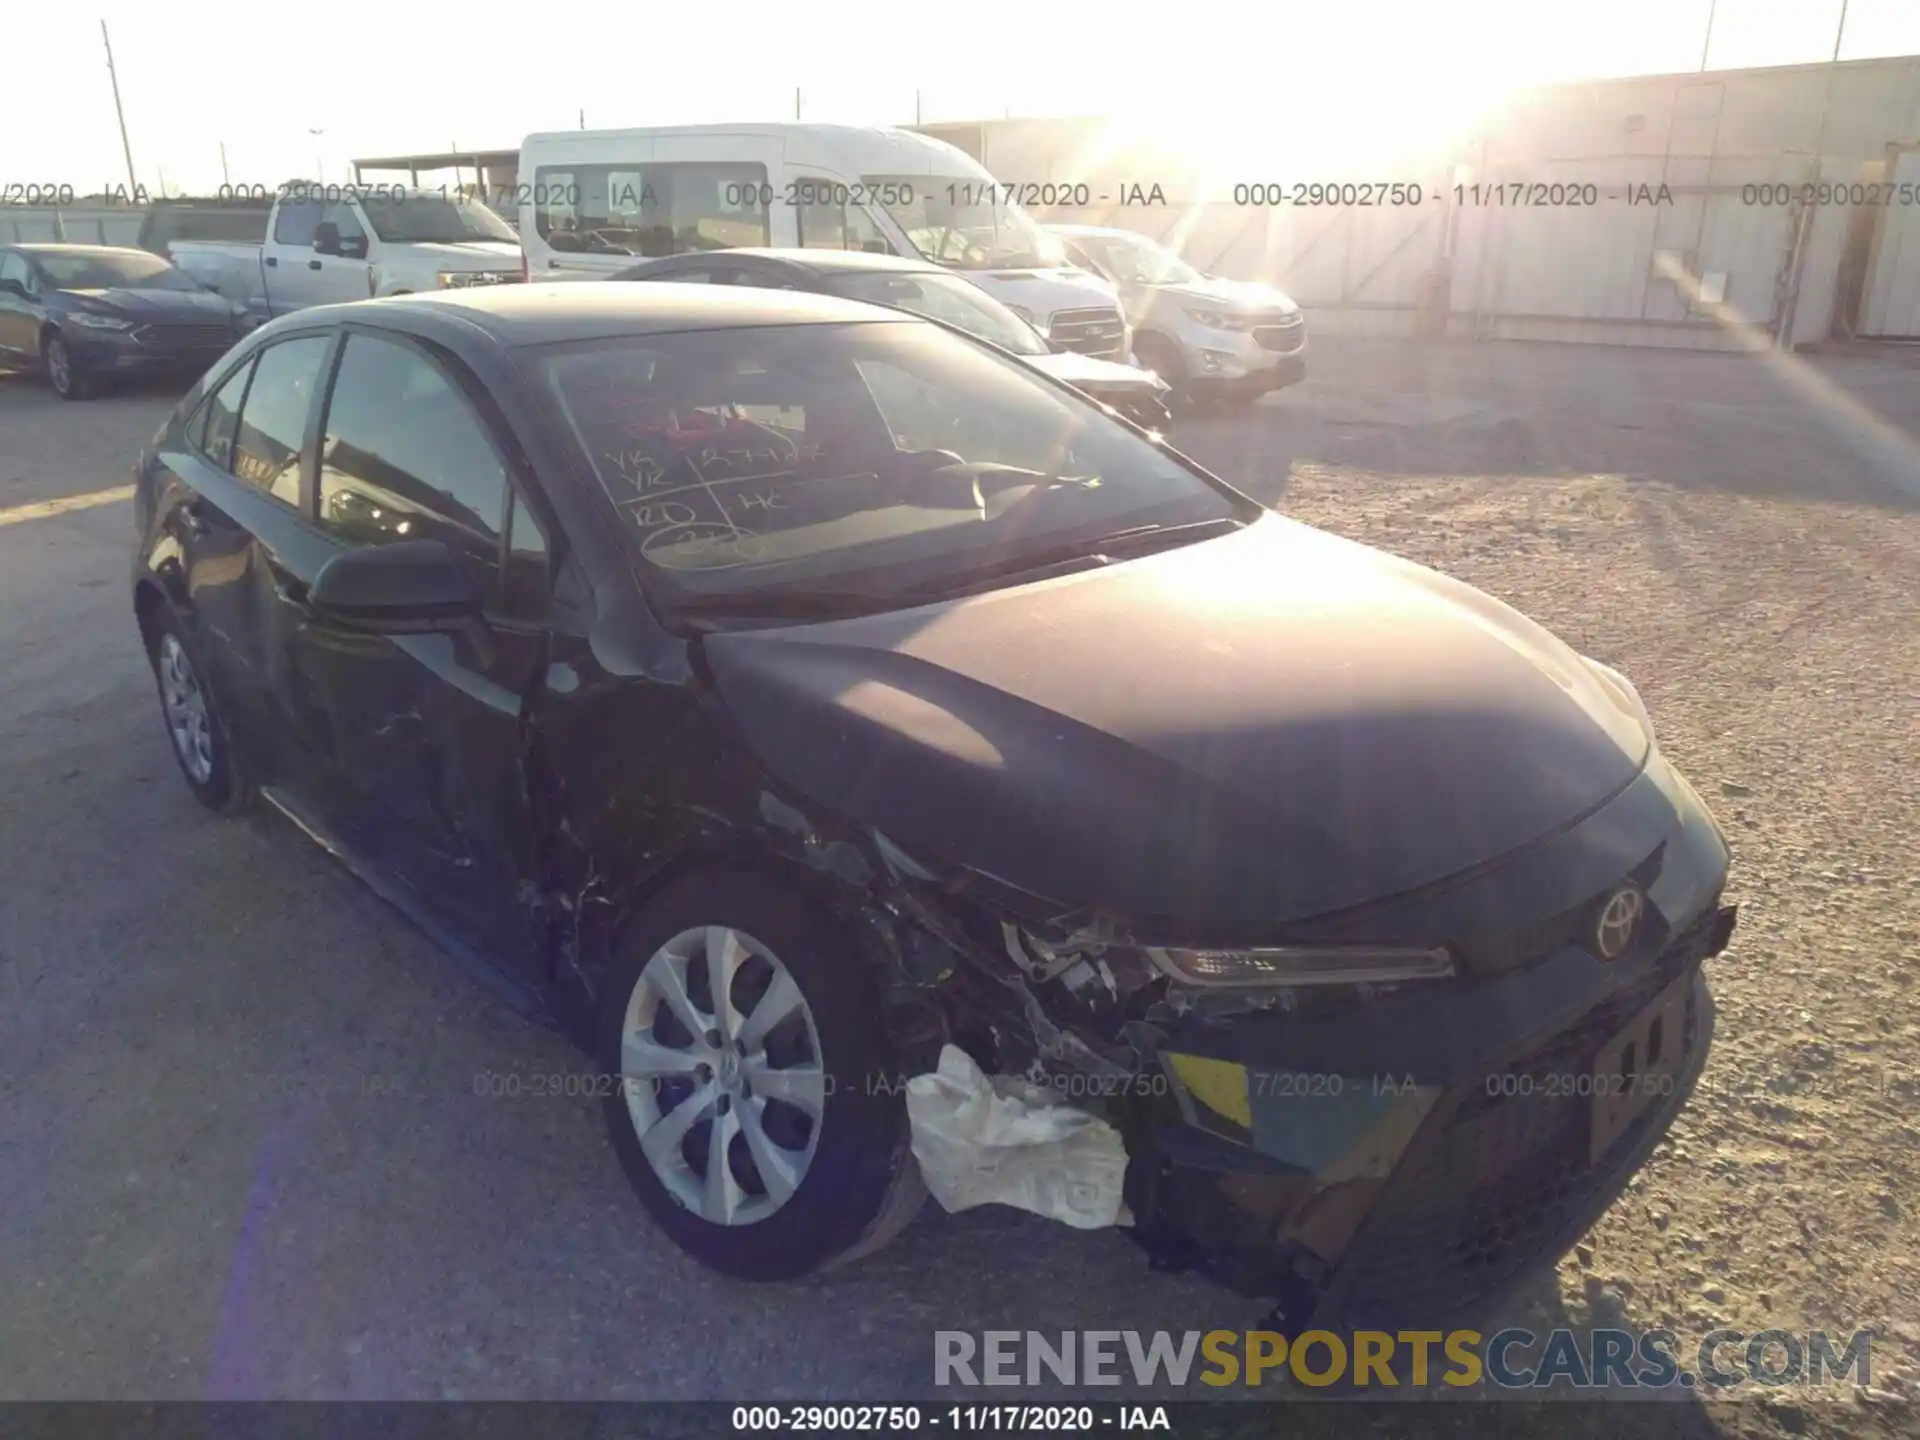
[214, 427]
[641, 209]
[273, 421]
[406, 457]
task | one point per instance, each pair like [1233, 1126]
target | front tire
[755, 1114]
[201, 741]
[68, 380]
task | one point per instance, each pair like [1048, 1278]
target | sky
[299, 93]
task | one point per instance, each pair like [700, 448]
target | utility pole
[796, 102]
[1707, 44]
[319, 165]
[225, 179]
[583, 117]
[113, 75]
[916, 108]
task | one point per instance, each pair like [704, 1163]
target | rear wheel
[201, 742]
[69, 381]
[749, 1116]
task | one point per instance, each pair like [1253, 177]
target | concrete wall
[1612, 271]
[77, 225]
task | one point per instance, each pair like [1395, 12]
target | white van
[594, 200]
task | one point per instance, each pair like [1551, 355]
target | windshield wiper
[782, 604]
[837, 604]
[1121, 544]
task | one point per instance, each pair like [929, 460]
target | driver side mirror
[410, 587]
[14, 287]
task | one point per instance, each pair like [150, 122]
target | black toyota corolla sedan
[775, 689]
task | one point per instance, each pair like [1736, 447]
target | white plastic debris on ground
[1010, 1142]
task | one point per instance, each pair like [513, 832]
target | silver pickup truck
[320, 244]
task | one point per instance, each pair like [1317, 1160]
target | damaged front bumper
[1395, 1154]
[1411, 1163]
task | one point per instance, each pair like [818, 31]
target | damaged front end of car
[1368, 1128]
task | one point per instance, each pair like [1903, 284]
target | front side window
[823, 225]
[404, 456]
[344, 218]
[640, 209]
[880, 457]
[13, 266]
[273, 421]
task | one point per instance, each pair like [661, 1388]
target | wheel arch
[149, 597]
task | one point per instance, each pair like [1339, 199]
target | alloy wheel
[185, 703]
[59, 365]
[722, 1075]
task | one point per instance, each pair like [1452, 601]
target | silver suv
[1206, 336]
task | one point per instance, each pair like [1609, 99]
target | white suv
[1207, 337]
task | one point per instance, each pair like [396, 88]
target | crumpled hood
[1214, 741]
[1090, 370]
[198, 306]
[468, 254]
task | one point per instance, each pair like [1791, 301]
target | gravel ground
[1738, 542]
[1744, 542]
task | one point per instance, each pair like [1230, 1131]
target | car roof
[820, 262]
[51, 247]
[548, 312]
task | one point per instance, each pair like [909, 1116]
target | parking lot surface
[253, 1140]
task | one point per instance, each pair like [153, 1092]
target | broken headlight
[1326, 965]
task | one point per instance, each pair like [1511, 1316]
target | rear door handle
[273, 259]
[313, 264]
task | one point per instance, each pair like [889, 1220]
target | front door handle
[313, 264]
[273, 259]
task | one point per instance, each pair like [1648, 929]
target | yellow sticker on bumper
[1220, 1085]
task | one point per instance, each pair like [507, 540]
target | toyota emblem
[1618, 919]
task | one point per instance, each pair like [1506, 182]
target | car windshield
[1135, 260]
[111, 270]
[877, 458]
[429, 218]
[946, 298]
[966, 224]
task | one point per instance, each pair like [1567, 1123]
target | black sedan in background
[932, 292]
[84, 313]
[777, 689]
